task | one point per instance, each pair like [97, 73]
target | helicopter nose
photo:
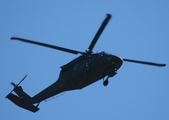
[116, 61]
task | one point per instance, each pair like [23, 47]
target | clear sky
[139, 29]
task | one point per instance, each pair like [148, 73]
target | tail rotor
[17, 85]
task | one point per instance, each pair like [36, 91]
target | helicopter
[82, 71]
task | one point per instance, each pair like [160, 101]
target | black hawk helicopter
[84, 70]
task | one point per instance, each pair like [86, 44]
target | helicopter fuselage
[89, 70]
[80, 73]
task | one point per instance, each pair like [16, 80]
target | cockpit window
[109, 57]
[76, 67]
[101, 54]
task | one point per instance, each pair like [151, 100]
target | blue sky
[137, 30]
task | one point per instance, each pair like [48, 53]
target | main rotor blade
[47, 45]
[144, 62]
[96, 37]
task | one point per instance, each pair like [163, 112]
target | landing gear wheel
[106, 82]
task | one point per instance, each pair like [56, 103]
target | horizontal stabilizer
[21, 103]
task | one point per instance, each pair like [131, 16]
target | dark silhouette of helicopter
[84, 70]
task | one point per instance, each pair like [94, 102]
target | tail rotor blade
[145, 62]
[22, 80]
[12, 83]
